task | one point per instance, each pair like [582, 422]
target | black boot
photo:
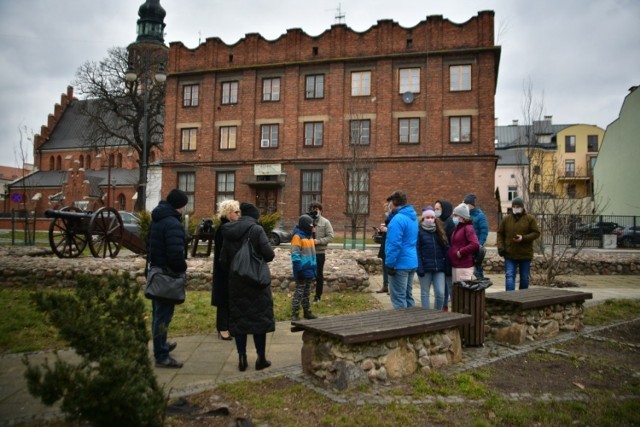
[295, 317]
[262, 363]
[309, 315]
[242, 362]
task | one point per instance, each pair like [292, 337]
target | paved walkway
[209, 361]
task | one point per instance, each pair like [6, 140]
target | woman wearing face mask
[464, 243]
[443, 210]
[432, 252]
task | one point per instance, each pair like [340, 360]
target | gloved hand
[501, 252]
[391, 271]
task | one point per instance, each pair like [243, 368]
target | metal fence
[594, 231]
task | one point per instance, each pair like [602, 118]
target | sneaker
[383, 290]
[172, 346]
[169, 362]
[316, 300]
[445, 309]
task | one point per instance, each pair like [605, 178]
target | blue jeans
[162, 315]
[448, 290]
[400, 287]
[438, 289]
[510, 266]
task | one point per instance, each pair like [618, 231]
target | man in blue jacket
[480, 225]
[401, 258]
[166, 250]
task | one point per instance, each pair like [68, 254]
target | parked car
[629, 236]
[130, 222]
[278, 235]
[595, 230]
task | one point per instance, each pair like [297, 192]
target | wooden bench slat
[533, 298]
[378, 325]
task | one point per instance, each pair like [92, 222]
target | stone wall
[505, 324]
[347, 365]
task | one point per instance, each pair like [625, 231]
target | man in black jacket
[167, 240]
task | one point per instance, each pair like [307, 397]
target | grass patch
[611, 311]
[23, 328]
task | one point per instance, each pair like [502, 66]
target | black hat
[517, 201]
[305, 223]
[177, 198]
[470, 199]
[247, 209]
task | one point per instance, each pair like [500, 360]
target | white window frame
[271, 89]
[361, 83]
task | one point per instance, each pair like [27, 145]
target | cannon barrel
[49, 213]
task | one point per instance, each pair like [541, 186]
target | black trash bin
[468, 298]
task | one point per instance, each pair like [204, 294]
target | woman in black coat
[229, 210]
[250, 307]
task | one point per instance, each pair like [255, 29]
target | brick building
[340, 117]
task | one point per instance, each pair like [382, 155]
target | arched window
[81, 161]
[52, 163]
[58, 163]
[119, 160]
[122, 202]
[111, 160]
[88, 162]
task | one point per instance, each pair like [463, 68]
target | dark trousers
[161, 318]
[259, 340]
[319, 274]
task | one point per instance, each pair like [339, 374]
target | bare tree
[557, 207]
[117, 108]
[23, 153]
[355, 174]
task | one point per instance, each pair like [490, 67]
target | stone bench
[531, 314]
[373, 346]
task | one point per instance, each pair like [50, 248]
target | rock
[401, 362]
[348, 375]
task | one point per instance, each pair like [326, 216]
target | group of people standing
[442, 246]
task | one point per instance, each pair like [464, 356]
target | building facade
[344, 118]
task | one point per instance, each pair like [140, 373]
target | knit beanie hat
[247, 209]
[462, 210]
[517, 201]
[428, 210]
[305, 223]
[177, 198]
[470, 199]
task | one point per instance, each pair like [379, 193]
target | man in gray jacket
[323, 236]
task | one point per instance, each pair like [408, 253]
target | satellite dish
[407, 97]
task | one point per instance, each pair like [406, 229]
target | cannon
[71, 230]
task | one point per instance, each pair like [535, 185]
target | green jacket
[512, 225]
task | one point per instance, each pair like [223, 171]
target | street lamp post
[160, 77]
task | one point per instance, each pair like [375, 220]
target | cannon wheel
[66, 237]
[105, 233]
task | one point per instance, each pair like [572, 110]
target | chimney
[515, 122]
[548, 118]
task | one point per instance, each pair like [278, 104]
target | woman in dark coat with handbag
[229, 210]
[250, 307]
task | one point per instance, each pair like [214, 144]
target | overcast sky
[582, 56]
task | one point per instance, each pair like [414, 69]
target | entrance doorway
[267, 200]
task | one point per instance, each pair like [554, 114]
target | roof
[518, 136]
[512, 156]
[97, 178]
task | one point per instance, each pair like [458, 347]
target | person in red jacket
[464, 243]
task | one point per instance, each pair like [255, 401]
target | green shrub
[114, 383]
[269, 221]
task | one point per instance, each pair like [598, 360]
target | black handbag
[250, 267]
[479, 257]
[166, 286]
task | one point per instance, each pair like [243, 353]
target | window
[571, 190]
[88, 162]
[313, 134]
[230, 93]
[228, 136]
[81, 161]
[358, 192]
[592, 143]
[119, 164]
[269, 136]
[225, 186]
[570, 144]
[190, 95]
[187, 183]
[314, 86]
[512, 192]
[459, 78]
[409, 131]
[410, 80]
[189, 139]
[52, 163]
[460, 129]
[361, 83]
[360, 132]
[569, 168]
[271, 89]
[536, 187]
[311, 188]
[536, 170]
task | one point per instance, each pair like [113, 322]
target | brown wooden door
[267, 200]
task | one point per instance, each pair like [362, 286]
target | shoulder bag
[165, 286]
[250, 267]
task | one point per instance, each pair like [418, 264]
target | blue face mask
[438, 213]
[456, 220]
